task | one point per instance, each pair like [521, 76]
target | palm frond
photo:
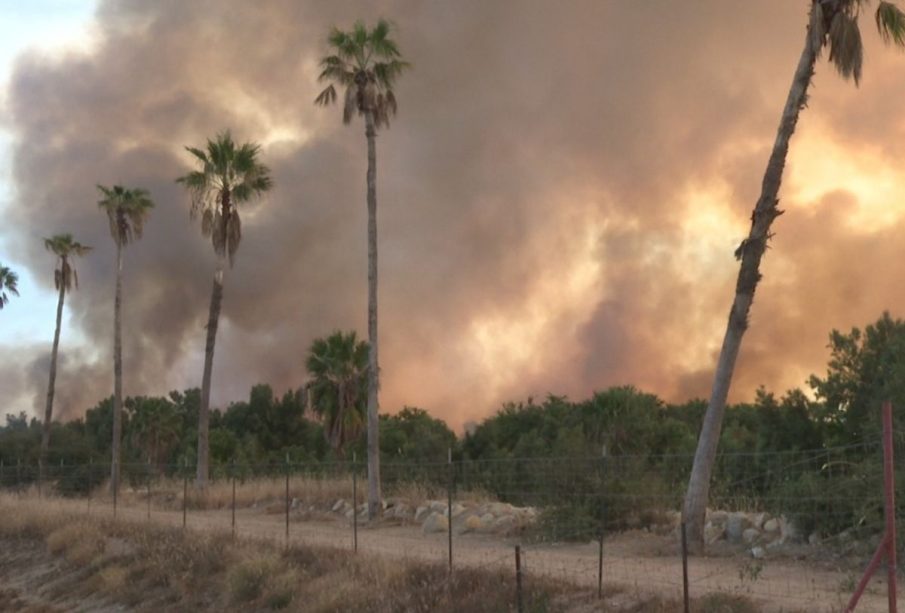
[328, 96]
[846, 48]
[891, 23]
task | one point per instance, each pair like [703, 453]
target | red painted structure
[887, 546]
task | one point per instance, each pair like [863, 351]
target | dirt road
[638, 561]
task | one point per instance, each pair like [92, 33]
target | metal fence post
[287, 500]
[19, 476]
[520, 605]
[2, 480]
[449, 511]
[354, 504]
[90, 482]
[185, 490]
[685, 569]
[233, 474]
[114, 485]
[602, 523]
[149, 489]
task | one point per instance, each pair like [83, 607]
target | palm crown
[834, 24]
[366, 63]
[127, 209]
[9, 282]
[65, 247]
[339, 365]
[229, 175]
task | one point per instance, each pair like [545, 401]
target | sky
[559, 197]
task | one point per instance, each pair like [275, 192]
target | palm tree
[366, 63]
[9, 282]
[65, 278]
[832, 24]
[126, 211]
[339, 367]
[229, 176]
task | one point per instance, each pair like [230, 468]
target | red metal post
[890, 487]
[887, 547]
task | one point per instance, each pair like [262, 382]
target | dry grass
[162, 568]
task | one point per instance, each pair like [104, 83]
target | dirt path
[635, 561]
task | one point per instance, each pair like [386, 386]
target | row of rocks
[435, 516]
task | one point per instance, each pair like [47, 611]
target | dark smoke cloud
[535, 141]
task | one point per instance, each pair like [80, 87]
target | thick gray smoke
[559, 197]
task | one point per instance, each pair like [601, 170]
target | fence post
[449, 512]
[185, 490]
[287, 500]
[887, 546]
[19, 476]
[2, 481]
[354, 504]
[233, 507]
[602, 523]
[90, 482]
[149, 488]
[685, 569]
[115, 473]
[520, 605]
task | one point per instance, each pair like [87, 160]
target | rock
[771, 525]
[349, 514]
[487, 522]
[750, 535]
[717, 517]
[758, 520]
[385, 503]
[337, 507]
[473, 523]
[437, 507]
[713, 532]
[814, 539]
[790, 531]
[736, 524]
[295, 504]
[499, 508]
[758, 553]
[421, 513]
[457, 509]
[435, 523]
[402, 511]
[504, 524]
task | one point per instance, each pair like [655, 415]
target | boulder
[814, 539]
[713, 532]
[472, 523]
[457, 509]
[717, 517]
[499, 508]
[750, 535]
[338, 505]
[435, 522]
[295, 504]
[421, 513]
[402, 511]
[758, 553]
[487, 520]
[790, 531]
[437, 507]
[504, 524]
[771, 525]
[736, 524]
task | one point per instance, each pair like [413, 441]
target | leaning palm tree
[9, 282]
[338, 390]
[126, 211]
[832, 24]
[230, 175]
[65, 278]
[366, 63]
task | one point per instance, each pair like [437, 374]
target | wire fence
[788, 528]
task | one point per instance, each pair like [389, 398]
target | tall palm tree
[9, 282]
[338, 365]
[832, 24]
[229, 176]
[127, 209]
[65, 278]
[366, 63]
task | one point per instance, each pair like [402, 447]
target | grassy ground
[147, 567]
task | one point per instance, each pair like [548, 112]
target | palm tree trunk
[117, 373]
[48, 411]
[373, 368]
[204, 412]
[750, 253]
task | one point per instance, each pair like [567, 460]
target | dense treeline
[842, 409]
